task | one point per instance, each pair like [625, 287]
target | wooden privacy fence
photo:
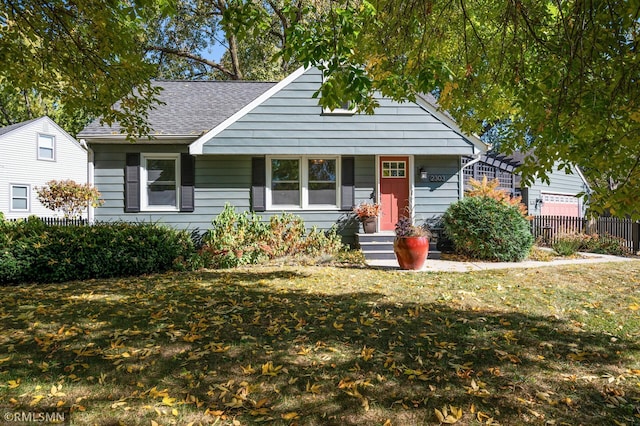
[59, 221]
[549, 228]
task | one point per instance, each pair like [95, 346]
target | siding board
[292, 122]
[19, 164]
[218, 183]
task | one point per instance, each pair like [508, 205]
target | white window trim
[144, 198]
[11, 197]
[304, 183]
[53, 148]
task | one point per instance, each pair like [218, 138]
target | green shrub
[233, 240]
[34, 252]
[485, 228]
[243, 238]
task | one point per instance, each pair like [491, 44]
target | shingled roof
[191, 108]
[7, 129]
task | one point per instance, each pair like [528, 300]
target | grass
[329, 345]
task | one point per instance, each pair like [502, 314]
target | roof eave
[122, 139]
[196, 148]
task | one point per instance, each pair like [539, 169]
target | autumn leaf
[367, 353]
[449, 418]
[269, 370]
[155, 393]
[14, 383]
[55, 391]
[315, 388]
[248, 369]
[168, 401]
[217, 347]
[290, 416]
[235, 403]
[36, 399]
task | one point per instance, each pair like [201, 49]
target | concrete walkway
[433, 265]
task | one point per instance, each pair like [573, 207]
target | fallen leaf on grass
[449, 418]
[55, 391]
[269, 370]
[315, 388]
[36, 399]
[290, 416]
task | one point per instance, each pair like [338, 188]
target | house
[269, 147]
[33, 153]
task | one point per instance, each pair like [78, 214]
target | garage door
[560, 205]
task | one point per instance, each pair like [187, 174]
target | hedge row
[31, 251]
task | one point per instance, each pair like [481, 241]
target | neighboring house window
[303, 182]
[20, 198]
[160, 181]
[46, 147]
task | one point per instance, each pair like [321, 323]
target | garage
[560, 205]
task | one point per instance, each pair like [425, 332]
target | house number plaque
[437, 178]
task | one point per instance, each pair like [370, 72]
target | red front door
[394, 190]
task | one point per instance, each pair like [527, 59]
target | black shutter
[132, 183]
[258, 184]
[187, 182]
[347, 193]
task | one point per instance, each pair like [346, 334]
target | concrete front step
[379, 246]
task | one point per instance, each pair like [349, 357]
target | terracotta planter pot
[411, 252]
[369, 225]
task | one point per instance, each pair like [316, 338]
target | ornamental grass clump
[568, 243]
[489, 225]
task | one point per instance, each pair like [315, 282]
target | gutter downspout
[476, 158]
[90, 176]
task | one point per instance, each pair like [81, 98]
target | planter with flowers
[411, 245]
[367, 214]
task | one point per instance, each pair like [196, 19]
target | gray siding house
[269, 147]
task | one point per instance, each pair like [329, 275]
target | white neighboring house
[31, 154]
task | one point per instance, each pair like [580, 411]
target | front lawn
[330, 345]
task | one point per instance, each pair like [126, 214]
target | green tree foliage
[61, 57]
[69, 197]
[564, 75]
[252, 35]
